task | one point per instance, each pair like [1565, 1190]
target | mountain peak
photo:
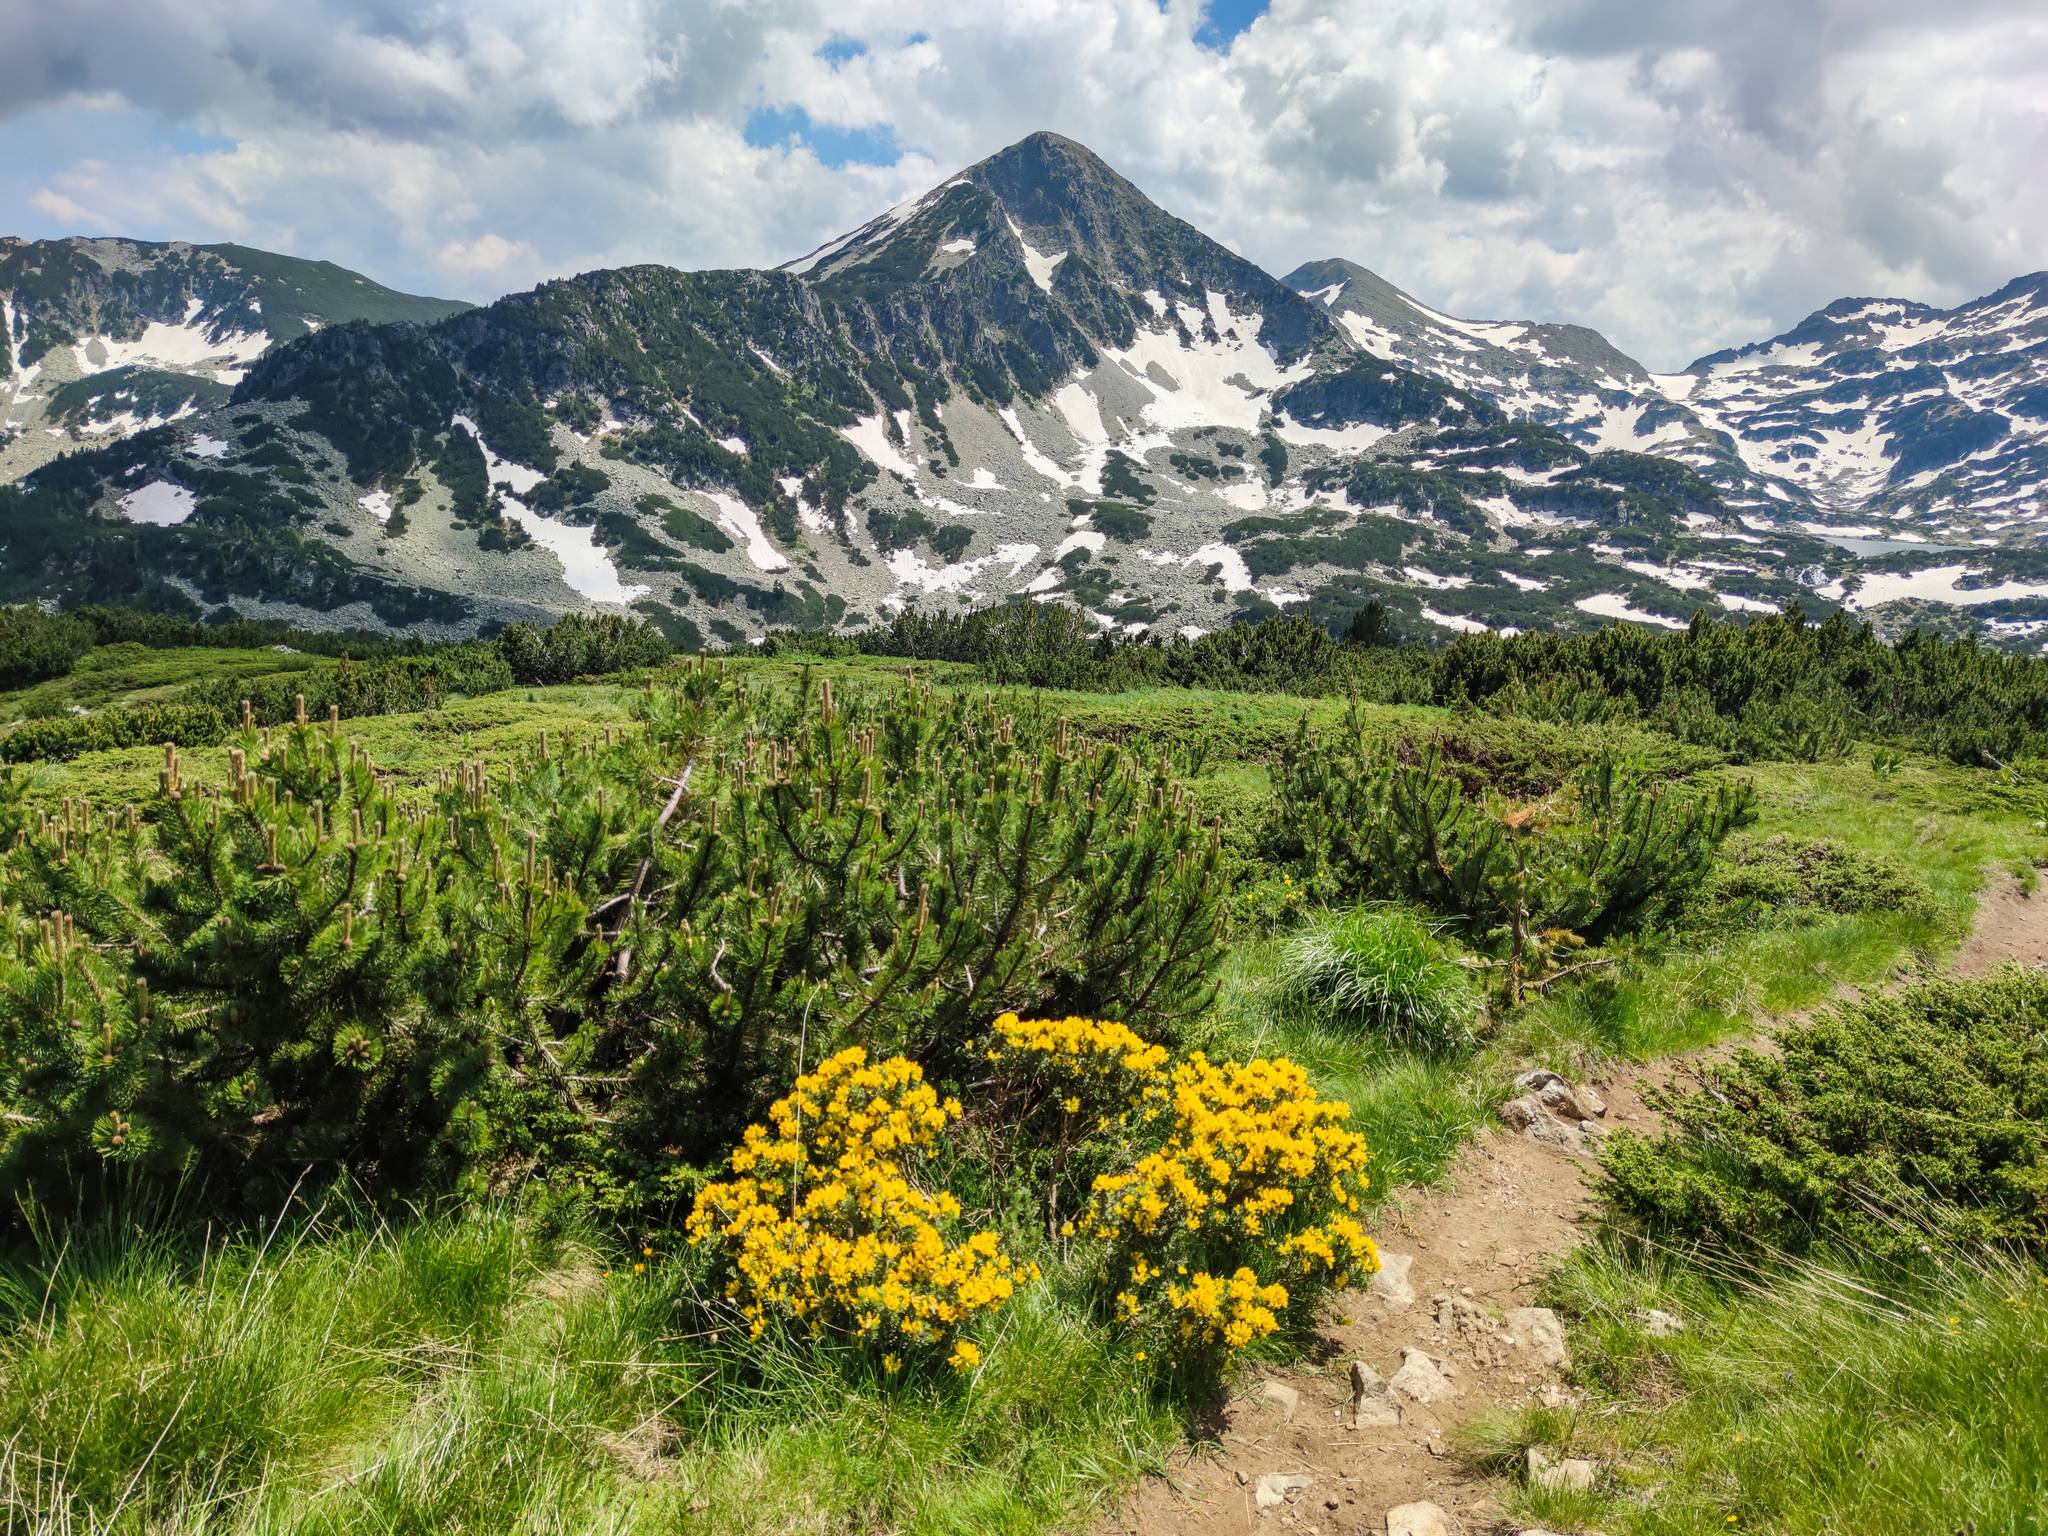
[1048, 236]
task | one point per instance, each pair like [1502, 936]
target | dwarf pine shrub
[1892, 1122]
[1610, 852]
[599, 959]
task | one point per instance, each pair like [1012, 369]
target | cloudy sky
[1681, 175]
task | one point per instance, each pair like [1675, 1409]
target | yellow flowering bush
[1091, 1063]
[1232, 1189]
[824, 1225]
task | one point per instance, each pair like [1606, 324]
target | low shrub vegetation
[832, 1090]
[1611, 852]
[1893, 1123]
[1792, 879]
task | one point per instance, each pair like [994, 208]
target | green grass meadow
[493, 1369]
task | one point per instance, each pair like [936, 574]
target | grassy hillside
[503, 1351]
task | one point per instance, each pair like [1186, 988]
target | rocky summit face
[1029, 383]
[1874, 423]
[103, 338]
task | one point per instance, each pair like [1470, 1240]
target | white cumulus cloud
[1682, 176]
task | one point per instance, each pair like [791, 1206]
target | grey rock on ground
[1373, 1403]
[1560, 1097]
[1419, 1379]
[1392, 1286]
[1275, 1488]
[1288, 1399]
[1538, 1331]
[1549, 1469]
[1552, 1115]
[1418, 1520]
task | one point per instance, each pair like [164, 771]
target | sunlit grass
[1809, 1399]
[459, 1372]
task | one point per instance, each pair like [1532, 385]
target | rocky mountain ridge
[105, 337]
[1872, 418]
[1030, 383]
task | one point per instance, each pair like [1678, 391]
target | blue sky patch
[1222, 20]
[834, 147]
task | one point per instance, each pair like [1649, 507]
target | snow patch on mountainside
[1201, 383]
[1355, 438]
[1937, 584]
[912, 570]
[176, 348]
[1228, 563]
[871, 436]
[1040, 266]
[587, 567]
[739, 520]
[161, 503]
[1462, 624]
[1614, 605]
[21, 375]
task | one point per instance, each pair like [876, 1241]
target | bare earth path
[1461, 1258]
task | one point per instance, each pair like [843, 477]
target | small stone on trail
[1284, 1395]
[1418, 1520]
[1659, 1324]
[1550, 1110]
[1419, 1378]
[1521, 1114]
[1541, 1334]
[1373, 1403]
[1275, 1488]
[1559, 1097]
[1391, 1286]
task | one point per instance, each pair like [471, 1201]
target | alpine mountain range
[1030, 383]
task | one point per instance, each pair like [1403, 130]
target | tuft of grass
[1384, 970]
[1802, 1398]
[1414, 1107]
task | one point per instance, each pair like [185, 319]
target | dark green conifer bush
[1894, 1122]
[598, 961]
[1611, 851]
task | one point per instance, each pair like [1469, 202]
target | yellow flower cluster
[1247, 1142]
[1081, 1052]
[1230, 1312]
[822, 1224]
[1254, 1187]
[1237, 1181]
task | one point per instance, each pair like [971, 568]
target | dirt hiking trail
[1441, 1332]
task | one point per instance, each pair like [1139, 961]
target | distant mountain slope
[1930, 421]
[1565, 376]
[104, 337]
[1877, 417]
[1028, 383]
